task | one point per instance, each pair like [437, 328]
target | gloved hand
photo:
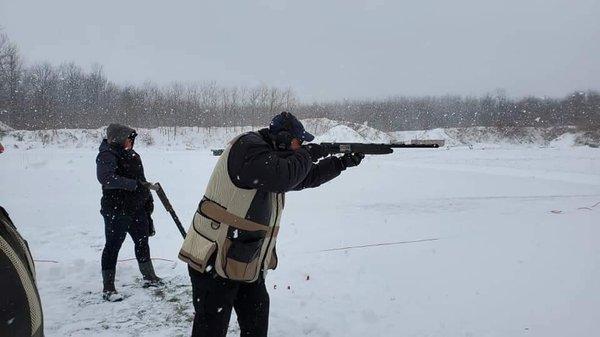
[351, 159]
[146, 184]
[316, 151]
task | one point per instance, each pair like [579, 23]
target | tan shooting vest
[14, 251]
[225, 206]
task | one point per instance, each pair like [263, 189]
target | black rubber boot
[109, 293]
[150, 278]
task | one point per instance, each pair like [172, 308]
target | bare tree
[10, 77]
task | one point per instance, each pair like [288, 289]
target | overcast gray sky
[323, 49]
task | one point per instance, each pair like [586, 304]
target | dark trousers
[116, 228]
[214, 297]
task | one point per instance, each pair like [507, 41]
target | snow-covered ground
[517, 249]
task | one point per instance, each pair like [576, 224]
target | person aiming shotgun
[231, 242]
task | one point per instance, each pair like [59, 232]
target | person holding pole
[126, 206]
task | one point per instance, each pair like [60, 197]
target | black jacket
[119, 171]
[254, 163]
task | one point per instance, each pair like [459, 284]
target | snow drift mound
[438, 134]
[323, 126]
[341, 133]
[491, 135]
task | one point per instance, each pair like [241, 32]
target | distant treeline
[43, 96]
[580, 109]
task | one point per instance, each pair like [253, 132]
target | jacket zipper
[262, 265]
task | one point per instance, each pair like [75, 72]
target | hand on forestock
[351, 159]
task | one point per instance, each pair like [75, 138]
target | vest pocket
[241, 260]
[197, 250]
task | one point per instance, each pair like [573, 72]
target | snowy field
[516, 249]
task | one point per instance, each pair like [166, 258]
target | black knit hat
[285, 121]
[118, 133]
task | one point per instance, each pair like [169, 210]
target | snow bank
[325, 130]
[405, 136]
[330, 130]
[341, 133]
[188, 138]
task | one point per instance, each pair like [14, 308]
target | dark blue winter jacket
[120, 171]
